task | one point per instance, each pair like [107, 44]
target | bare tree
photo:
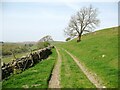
[85, 20]
[68, 39]
[46, 39]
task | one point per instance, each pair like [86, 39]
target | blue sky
[30, 21]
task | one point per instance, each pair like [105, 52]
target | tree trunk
[79, 38]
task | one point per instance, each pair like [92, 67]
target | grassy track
[35, 77]
[71, 75]
[99, 52]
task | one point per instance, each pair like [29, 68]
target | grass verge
[35, 77]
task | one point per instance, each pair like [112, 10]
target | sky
[30, 21]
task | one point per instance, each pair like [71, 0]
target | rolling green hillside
[99, 52]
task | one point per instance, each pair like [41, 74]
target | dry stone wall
[20, 64]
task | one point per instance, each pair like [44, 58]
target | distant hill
[56, 42]
[25, 42]
[1, 42]
[28, 42]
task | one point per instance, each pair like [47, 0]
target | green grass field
[99, 52]
[7, 59]
[71, 75]
[34, 77]
[20, 49]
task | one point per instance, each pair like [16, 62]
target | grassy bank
[99, 52]
[35, 77]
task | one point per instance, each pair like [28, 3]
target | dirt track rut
[93, 79]
[55, 78]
